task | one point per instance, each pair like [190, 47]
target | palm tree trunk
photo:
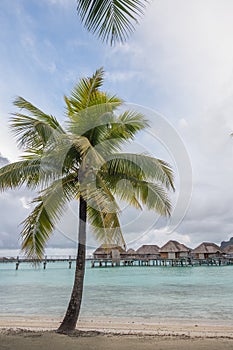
[69, 322]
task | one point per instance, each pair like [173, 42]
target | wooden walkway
[100, 263]
[184, 262]
[42, 262]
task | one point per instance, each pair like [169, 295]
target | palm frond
[66, 152]
[96, 192]
[97, 197]
[84, 93]
[34, 129]
[139, 193]
[26, 172]
[39, 172]
[102, 211]
[92, 114]
[111, 20]
[143, 167]
[21, 103]
[102, 127]
[123, 188]
[105, 226]
[37, 229]
[39, 225]
[153, 196]
[99, 115]
[126, 125]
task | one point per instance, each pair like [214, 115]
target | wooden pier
[108, 262]
[181, 262]
[44, 262]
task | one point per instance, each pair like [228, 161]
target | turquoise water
[150, 292]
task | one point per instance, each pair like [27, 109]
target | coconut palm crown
[82, 161]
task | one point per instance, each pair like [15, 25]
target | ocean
[203, 293]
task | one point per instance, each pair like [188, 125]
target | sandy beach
[122, 334]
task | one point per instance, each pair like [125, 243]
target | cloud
[12, 214]
[179, 62]
[190, 65]
[62, 3]
[191, 49]
[3, 160]
[122, 76]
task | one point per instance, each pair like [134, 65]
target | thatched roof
[107, 248]
[207, 247]
[148, 249]
[173, 247]
[228, 249]
[130, 251]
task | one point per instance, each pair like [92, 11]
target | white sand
[184, 328]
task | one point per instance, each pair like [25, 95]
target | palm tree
[111, 20]
[82, 161]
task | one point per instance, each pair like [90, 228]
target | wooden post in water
[70, 262]
[17, 264]
[45, 262]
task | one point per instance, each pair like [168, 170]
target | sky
[177, 68]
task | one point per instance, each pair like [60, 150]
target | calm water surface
[150, 292]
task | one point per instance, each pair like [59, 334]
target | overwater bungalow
[129, 254]
[108, 251]
[207, 250]
[174, 250]
[228, 251]
[148, 251]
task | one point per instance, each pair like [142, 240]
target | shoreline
[125, 326]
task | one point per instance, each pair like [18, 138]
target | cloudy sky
[178, 66]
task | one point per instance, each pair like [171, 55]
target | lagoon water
[203, 293]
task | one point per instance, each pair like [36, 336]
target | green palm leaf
[39, 225]
[25, 172]
[139, 193]
[84, 93]
[104, 128]
[139, 166]
[105, 226]
[111, 20]
[35, 129]
[153, 197]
